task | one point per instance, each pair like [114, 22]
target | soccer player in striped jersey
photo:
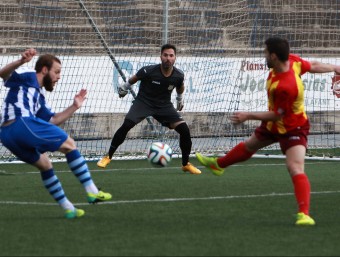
[29, 127]
[153, 99]
[285, 122]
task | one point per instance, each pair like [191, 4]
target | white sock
[67, 205]
[91, 189]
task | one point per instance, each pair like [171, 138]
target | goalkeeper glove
[180, 102]
[123, 89]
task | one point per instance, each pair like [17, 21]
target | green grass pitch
[249, 211]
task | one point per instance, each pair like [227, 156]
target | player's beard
[269, 64]
[167, 65]
[47, 82]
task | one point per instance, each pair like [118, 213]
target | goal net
[220, 49]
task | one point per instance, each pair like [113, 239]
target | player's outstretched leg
[210, 163]
[54, 187]
[80, 169]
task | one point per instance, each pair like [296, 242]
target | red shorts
[294, 137]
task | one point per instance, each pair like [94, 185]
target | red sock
[302, 192]
[238, 154]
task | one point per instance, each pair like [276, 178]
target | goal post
[220, 50]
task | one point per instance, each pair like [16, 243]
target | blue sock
[78, 165]
[53, 186]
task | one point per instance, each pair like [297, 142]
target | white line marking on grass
[168, 168]
[174, 199]
[25, 203]
[4, 172]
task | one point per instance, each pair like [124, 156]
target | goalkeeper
[154, 99]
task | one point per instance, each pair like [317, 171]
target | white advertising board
[212, 84]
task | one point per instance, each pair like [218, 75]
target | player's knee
[174, 125]
[295, 168]
[44, 163]
[68, 146]
[183, 129]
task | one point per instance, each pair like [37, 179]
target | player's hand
[28, 55]
[122, 90]
[337, 70]
[238, 117]
[180, 103]
[80, 98]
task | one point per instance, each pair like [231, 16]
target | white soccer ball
[159, 154]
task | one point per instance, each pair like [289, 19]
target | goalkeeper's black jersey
[155, 89]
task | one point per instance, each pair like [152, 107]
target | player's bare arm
[239, 117]
[78, 101]
[319, 67]
[179, 98]
[132, 80]
[180, 90]
[26, 56]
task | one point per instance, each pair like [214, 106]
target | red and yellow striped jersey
[286, 96]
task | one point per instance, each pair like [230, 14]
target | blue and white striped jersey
[25, 98]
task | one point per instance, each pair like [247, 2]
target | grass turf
[249, 211]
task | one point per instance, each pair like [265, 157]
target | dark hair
[168, 46]
[45, 60]
[278, 46]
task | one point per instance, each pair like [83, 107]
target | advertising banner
[212, 84]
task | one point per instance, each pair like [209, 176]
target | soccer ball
[159, 154]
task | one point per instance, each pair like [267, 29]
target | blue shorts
[28, 138]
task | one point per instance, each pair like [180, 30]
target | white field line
[255, 156]
[152, 168]
[210, 198]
